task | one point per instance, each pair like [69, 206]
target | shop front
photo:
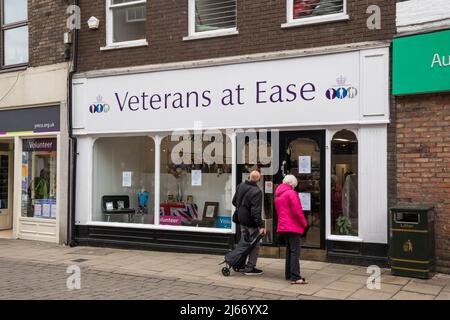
[160, 150]
[421, 85]
[29, 173]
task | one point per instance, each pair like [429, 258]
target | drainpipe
[72, 144]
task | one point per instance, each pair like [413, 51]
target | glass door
[302, 154]
[5, 192]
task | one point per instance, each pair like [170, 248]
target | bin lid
[411, 207]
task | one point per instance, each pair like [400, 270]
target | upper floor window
[212, 17]
[14, 32]
[315, 11]
[126, 21]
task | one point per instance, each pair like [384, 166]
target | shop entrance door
[302, 154]
[5, 191]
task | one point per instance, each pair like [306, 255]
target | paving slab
[443, 296]
[366, 294]
[406, 295]
[422, 288]
[333, 294]
[344, 285]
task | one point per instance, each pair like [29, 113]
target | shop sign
[30, 120]
[294, 91]
[421, 63]
[39, 145]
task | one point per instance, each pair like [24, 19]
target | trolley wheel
[236, 269]
[225, 271]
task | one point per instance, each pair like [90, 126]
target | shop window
[39, 178]
[14, 32]
[344, 184]
[196, 181]
[212, 15]
[127, 21]
[123, 180]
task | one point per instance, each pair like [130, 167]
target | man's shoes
[254, 272]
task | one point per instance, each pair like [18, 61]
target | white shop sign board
[349, 87]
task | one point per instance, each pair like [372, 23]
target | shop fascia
[265, 92]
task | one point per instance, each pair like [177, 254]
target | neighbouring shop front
[160, 152]
[421, 85]
[29, 173]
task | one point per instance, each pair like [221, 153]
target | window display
[193, 175]
[39, 178]
[124, 175]
[344, 184]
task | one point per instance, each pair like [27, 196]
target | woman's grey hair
[290, 180]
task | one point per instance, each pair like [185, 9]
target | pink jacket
[289, 210]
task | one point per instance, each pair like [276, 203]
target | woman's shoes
[300, 281]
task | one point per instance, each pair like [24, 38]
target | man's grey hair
[290, 180]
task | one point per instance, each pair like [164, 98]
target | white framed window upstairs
[13, 33]
[304, 12]
[212, 18]
[125, 23]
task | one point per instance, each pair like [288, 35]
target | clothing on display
[350, 195]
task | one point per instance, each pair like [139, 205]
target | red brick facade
[258, 22]
[423, 161]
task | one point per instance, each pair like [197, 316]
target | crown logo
[99, 98]
[341, 81]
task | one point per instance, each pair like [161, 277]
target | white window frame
[110, 27]
[337, 237]
[291, 22]
[193, 35]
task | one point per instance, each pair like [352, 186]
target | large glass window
[211, 15]
[124, 180]
[196, 181]
[128, 20]
[311, 8]
[344, 184]
[39, 178]
[14, 32]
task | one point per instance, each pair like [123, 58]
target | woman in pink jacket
[291, 224]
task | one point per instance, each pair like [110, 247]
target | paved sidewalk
[36, 270]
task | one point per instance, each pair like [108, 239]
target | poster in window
[196, 177]
[305, 199]
[304, 164]
[126, 179]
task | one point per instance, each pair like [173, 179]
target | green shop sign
[421, 63]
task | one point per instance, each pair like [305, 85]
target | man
[248, 203]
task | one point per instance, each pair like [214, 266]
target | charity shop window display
[192, 181]
[39, 178]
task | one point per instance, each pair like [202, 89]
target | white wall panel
[373, 183]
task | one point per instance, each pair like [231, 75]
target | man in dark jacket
[248, 203]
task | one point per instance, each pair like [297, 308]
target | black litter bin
[411, 241]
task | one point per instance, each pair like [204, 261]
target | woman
[291, 224]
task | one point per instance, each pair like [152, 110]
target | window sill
[211, 34]
[316, 20]
[14, 68]
[344, 238]
[125, 45]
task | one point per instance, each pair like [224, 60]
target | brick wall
[259, 25]
[47, 24]
[423, 161]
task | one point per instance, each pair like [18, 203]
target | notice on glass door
[305, 199]
[304, 164]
